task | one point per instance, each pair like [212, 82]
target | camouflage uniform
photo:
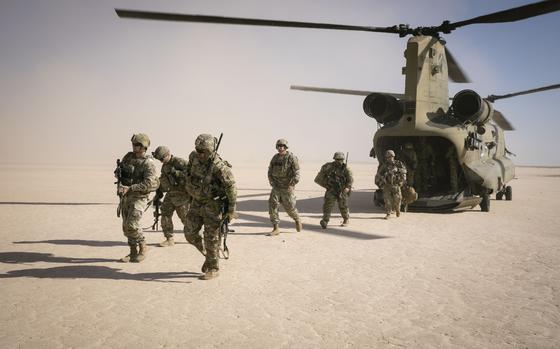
[210, 183]
[391, 176]
[172, 182]
[451, 157]
[408, 156]
[140, 175]
[425, 169]
[283, 175]
[335, 177]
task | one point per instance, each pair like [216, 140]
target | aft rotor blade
[454, 71]
[176, 17]
[493, 98]
[501, 121]
[343, 92]
[513, 14]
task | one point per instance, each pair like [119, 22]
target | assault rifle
[224, 209]
[118, 176]
[156, 201]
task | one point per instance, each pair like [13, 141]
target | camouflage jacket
[391, 175]
[210, 180]
[139, 174]
[173, 175]
[283, 171]
[334, 177]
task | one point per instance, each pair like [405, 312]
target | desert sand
[455, 280]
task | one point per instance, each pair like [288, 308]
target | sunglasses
[137, 144]
[281, 145]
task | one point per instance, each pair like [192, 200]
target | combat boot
[387, 216]
[143, 248]
[345, 222]
[168, 242]
[323, 223]
[210, 274]
[131, 256]
[275, 231]
[299, 226]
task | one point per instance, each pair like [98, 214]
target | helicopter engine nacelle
[383, 108]
[469, 107]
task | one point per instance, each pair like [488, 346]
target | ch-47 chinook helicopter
[469, 160]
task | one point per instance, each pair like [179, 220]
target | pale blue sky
[77, 81]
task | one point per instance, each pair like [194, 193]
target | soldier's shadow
[91, 243]
[360, 201]
[98, 272]
[33, 257]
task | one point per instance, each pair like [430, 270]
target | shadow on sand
[33, 257]
[97, 272]
[91, 243]
[55, 203]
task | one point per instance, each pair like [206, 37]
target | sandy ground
[457, 280]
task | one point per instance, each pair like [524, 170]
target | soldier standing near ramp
[391, 176]
[337, 178]
[283, 175]
[137, 179]
[211, 185]
[172, 182]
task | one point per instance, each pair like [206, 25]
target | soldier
[283, 175]
[408, 156]
[138, 179]
[211, 185]
[425, 169]
[391, 176]
[172, 182]
[451, 157]
[336, 177]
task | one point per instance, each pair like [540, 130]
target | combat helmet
[283, 142]
[205, 143]
[338, 155]
[389, 153]
[161, 152]
[141, 138]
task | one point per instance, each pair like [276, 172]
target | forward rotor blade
[176, 17]
[513, 14]
[501, 121]
[341, 91]
[493, 98]
[454, 71]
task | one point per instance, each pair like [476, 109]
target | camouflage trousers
[330, 199]
[173, 202]
[393, 198]
[131, 212]
[288, 200]
[207, 214]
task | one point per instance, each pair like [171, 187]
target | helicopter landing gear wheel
[508, 193]
[485, 203]
[499, 195]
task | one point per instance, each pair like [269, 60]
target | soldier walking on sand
[391, 176]
[137, 179]
[172, 182]
[337, 178]
[211, 185]
[283, 175]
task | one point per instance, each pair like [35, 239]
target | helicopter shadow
[98, 272]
